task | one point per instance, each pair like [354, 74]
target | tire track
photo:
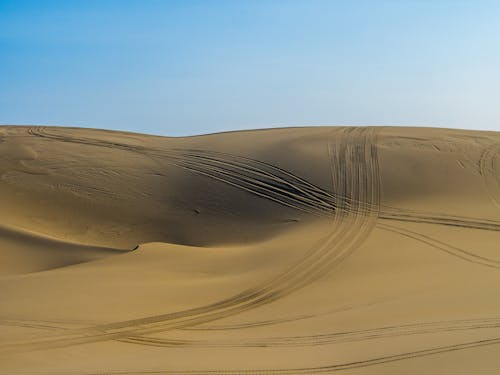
[440, 245]
[339, 337]
[406, 215]
[488, 171]
[333, 367]
[327, 338]
[29, 324]
[245, 325]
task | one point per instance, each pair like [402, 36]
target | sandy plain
[350, 250]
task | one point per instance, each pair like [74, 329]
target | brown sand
[307, 250]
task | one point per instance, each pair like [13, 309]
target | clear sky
[190, 67]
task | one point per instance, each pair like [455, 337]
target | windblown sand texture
[356, 250]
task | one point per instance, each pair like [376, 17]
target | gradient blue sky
[189, 67]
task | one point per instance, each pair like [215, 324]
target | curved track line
[332, 367]
[488, 171]
[326, 338]
[449, 249]
[412, 216]
[245, 325]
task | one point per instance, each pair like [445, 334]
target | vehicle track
[253, 324]
[326, 338]
[413, 216]
[489, 173]
[29, 324]
[329, 368]
[306, 340]
[440, 245]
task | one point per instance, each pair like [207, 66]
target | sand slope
[361, 250]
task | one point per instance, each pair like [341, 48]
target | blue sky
[190, 67]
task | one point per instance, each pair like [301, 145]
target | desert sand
[350, 250]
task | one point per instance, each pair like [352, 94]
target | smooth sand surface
[356, 250]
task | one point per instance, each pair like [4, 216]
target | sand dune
[356, 250]
[25, 252]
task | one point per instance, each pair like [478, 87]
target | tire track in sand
[333, 367]
[465, 255]
[487, 169]
[327, 338]
[305, 340]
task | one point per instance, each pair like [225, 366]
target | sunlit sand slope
[356, 250]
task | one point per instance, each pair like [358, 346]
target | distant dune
[356, 250]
